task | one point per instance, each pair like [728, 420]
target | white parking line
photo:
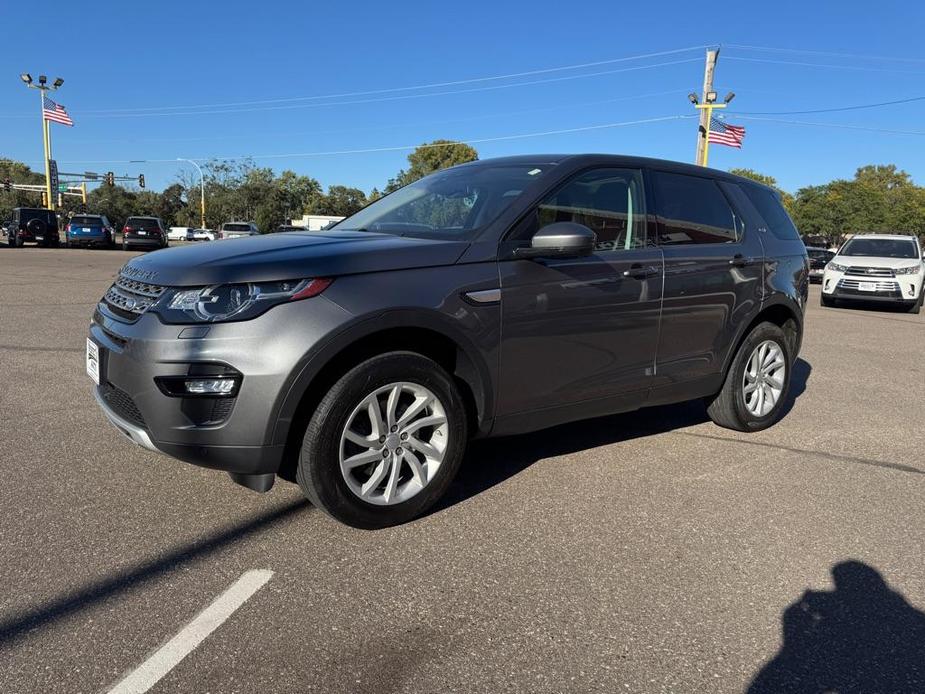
[171, 653]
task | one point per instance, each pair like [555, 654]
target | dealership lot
[651, 551]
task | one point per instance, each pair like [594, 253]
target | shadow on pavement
[130, 578]
[491, 462]
[861, 637]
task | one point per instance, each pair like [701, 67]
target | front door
[582, 329]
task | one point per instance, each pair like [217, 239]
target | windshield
[236, 227]
[142, 223]
[821, 255]
[880, 248]
[453, 203]
[95, 221]
[45, 215]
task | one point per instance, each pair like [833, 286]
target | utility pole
[202, 192]
[706, 113]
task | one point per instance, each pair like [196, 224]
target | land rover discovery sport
[497, 297]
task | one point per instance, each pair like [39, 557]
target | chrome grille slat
[132, 297]
[881, 285]
[858, 271]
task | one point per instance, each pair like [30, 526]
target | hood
[292, 255]
[871, 261]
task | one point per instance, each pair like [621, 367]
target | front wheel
[385, 442]
[753, 395]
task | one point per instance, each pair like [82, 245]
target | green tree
[786, 198]
[430, 157]
[339, 200]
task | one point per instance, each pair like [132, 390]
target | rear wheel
[917, 306]
[753, 395]
[384, 443]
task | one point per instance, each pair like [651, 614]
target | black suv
[144, 232]
[498, 297]
[32, 224]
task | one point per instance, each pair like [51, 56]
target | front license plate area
[867, 286]
[93, 361]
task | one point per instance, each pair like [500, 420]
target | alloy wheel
[764, 378]
[394, 443]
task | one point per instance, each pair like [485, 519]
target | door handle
[739, 260]
[638, 272]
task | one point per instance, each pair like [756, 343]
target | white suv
[876, 267]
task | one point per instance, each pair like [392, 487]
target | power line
[370, 150]
[482, 116]
[432, 85]
[830, 65]
[825, 53]
[830, 110]
[892, 131]
[396, 98]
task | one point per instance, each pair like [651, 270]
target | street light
[729, 97]
[202, 192]
[43, 87]
[693, 98]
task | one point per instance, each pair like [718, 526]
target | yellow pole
[706, 137]
[47, 142]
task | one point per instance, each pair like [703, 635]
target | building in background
[315, 222]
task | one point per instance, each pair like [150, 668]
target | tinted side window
[610, 202]
[692, 210]
[773, 212]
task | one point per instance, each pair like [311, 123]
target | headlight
[911, 270]
[234, 302]
[836, 267]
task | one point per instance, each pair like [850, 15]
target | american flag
[725, 134]
[55, 112]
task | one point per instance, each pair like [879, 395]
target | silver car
[238, 230]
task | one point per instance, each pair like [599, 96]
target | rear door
[582, 329]
[713, 274]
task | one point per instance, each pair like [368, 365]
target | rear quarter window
[772, 211]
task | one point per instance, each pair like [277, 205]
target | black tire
[826, 301]
[124, 245]
[318, 472]
[727, 408]
[917, 306]
[17, 241]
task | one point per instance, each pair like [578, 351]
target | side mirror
[559, 240]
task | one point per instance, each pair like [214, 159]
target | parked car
[237, 230]
[202, 235]
[32, 225]
[144, 232]
[89, 230]
[818, 257]
[180, 233]
[289, 227]
[886, 268]
[493, 298]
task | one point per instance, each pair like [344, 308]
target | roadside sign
[53, 168]
[62, 187]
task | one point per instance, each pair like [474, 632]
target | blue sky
[183, 62]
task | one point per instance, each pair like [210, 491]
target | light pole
[708, 106]
[46, 134]
[202, 192]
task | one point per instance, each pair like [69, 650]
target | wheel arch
[426, 334]
[782, 312]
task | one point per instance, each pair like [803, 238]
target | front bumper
[79, 239]
[901, 289]
[237, 434]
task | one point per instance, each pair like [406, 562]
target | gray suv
[494, 298]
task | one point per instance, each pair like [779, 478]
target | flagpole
[46, 139]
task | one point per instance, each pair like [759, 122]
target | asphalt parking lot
[646, 552]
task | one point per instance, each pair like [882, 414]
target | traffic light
[44, 200]
[60, 200]
[110, 178]
[83, 193]
[141, 180]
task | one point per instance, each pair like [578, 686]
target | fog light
[210, 386]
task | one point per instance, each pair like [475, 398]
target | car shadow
[863, 636]
[491, 462]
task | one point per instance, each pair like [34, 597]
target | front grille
[122, 404]
[856, 271]
[130, 298]
[853, 286]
